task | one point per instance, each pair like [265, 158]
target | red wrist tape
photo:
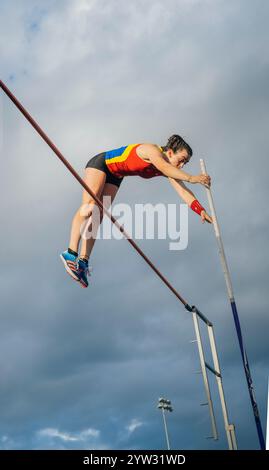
[196, 207]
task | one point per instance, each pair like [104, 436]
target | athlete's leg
[95, 179]
[87, 243]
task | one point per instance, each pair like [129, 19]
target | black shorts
[98, 162]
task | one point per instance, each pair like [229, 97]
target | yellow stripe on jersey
[121, 157]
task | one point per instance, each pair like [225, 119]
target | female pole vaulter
[104, 174]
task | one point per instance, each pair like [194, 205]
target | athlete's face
[179, 158]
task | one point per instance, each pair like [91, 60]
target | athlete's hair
[175, 143]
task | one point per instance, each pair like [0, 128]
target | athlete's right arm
[154, 154]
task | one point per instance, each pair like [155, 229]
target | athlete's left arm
[188, 196]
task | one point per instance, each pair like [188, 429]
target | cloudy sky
[84, 368]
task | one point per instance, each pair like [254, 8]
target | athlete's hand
[205, 180]
[206, 217]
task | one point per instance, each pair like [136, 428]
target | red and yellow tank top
[125, 161]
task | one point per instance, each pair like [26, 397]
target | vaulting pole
[229, 286]
[86, 187]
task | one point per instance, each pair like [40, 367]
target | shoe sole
[83, 285]
[68, 270]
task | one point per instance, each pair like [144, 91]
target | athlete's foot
[83, 272]
[70, 264]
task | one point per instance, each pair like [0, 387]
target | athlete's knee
[86, 209]
[89, 209]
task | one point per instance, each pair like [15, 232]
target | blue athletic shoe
[70, 264]
[83, 273]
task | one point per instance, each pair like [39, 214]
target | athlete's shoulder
[144, 150]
